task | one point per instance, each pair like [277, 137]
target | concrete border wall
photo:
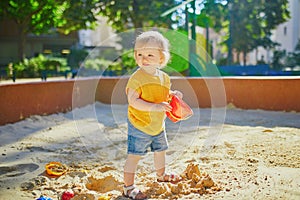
[19, 101]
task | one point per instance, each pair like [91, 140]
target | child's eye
[139, 54]
[150, 55]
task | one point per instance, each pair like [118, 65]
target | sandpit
[254, 154]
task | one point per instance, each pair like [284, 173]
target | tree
[140, 14]
[47, 16]
[127, 14]
[292, 59]
[296, 54]
[248, 23]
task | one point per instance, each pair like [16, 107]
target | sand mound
[103, 185]
[193, 181]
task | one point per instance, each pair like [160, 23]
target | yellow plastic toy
[55, 169]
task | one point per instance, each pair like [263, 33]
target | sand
[223, 153]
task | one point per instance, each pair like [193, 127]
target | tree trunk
[256, 55]
[138, 24]
[21, 42]
[244, 58]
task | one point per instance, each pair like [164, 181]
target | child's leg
[129, 169]
[160, 162]
[129, 172]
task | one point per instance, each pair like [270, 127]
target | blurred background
[56, 38]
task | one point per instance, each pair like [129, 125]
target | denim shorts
[139, 142]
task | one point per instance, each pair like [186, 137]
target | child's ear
[134, 54]
[162, 58]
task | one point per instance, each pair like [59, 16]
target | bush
[109, 54]
[282, 59]
[97, 64]
[122, 65]
[34, 67]
[221, 62]
[29, 68]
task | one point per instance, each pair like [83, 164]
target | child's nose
[144, 58]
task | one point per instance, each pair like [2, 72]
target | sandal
[133, 193]
[172, 178]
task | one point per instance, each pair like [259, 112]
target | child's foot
[133, 193]
[172, 178]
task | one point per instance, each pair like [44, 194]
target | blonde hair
[156, 38]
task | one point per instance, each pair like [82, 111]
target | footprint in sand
[17, 170]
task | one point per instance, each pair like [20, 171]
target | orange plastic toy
[55, 169]
[180, 111]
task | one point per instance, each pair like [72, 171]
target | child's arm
[135, 101]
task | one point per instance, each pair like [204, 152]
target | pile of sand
[193, 181]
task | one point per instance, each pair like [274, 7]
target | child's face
[148, 57]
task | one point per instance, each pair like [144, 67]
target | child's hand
[162, 107]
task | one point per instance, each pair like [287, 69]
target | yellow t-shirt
[154, 89]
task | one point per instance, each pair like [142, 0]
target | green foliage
[79, 14]
[179, 43]
[290, 61]
[109, 54]
[251, 21]
[216, 13]
[33, 68]
[41, 16]
[31, 15]
[221, 62]
[203, 20]
[126, 14]
[47, 16]
[124, 65]
[97, 64]
[296, 54]
[128, 61]
[282, 59]
[278, 58]
[30, 67]
[121, 66]
[60, 62]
